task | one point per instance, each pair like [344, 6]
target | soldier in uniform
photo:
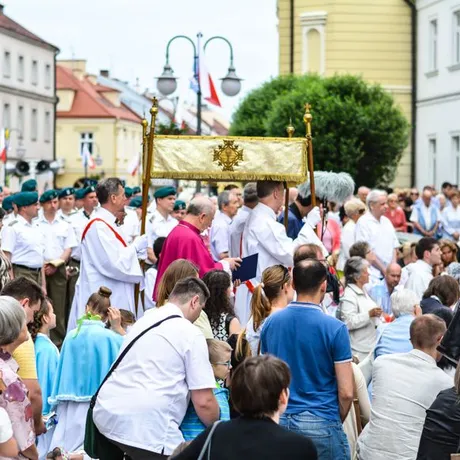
[161, 223]
[79, 221]
[66, 201]
[130, 227]
[22, 242]
[179, 211]
[7, 205]
[29, 186]
[60, 240]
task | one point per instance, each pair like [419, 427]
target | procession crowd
[119, 345]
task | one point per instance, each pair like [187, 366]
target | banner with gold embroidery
[229, 158]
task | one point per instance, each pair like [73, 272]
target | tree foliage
[356, 127]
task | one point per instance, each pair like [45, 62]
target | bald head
[362, 193]
[426, 196]
[200, 205]
[392, 276]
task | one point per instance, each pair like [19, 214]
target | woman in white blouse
[357, 310]
[450, 219]
[354, 209]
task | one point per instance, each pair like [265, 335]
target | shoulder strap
[98, 219]
[128, 347]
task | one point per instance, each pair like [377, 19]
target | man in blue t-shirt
[317, 348]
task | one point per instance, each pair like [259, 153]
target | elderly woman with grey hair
[13, 397]
[357, 310]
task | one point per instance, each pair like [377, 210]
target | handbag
[96, 444]
[207, 443]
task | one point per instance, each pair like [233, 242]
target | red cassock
[185, 242]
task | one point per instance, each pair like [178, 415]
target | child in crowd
[220, 356]
[47, 359]
[151, 274]
[86, 356]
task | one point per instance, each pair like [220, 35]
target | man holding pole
[106, 259]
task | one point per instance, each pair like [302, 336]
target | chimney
[104, 73]
[1, 8]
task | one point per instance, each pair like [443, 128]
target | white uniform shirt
[419, 275]
[404, 387]
[106, 261]
[150, 279]
[144, 401]
[265, 236]
[59, 236]
[25, 242]
[220, 230]
[236, 230]
[79, 221]
[346, 242]
[131, 225]
[381, 237]
[158, 226]
[426, 211]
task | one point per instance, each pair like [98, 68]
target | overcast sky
[129, 37]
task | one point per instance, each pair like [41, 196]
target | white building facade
[27, 92]
[438, 92]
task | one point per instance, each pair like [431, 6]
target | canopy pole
[307, 120]
[290, 132]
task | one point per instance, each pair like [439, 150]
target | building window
[86, 141]
[47, 136]
[433, 45]
[34, 73]
[456, 156]
[456, 38]
[6, 116]
[34, 125]
[7, 64]
[314, 41]
[21, 68]
[21, 121]
[432, 158]
[47, 76]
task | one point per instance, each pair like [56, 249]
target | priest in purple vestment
[185, 242]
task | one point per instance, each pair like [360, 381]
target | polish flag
[208, 89]
[3, 144]
[87, 158]
[133, 166]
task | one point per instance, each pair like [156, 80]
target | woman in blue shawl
[86, 356]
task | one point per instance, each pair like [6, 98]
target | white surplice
[105, 261]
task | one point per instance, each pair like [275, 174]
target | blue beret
[163, 192]
[29, 186]
[179, 205]
[25, 198]
[7, 203]
[136, 190]
[48, 196]
[136, 202]
[128, 192]
[66, 192]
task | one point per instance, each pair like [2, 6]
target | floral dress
[13, 398]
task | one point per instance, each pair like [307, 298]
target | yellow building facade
[91, 116]
[368, 38]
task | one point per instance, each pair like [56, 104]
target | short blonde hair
[353, 207]
[216, 349]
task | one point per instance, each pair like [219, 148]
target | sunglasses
[226, 363]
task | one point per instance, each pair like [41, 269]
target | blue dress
[47, 359]
[85, 359]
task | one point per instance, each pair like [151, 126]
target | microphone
[329, 186]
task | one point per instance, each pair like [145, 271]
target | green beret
[136, 202]
[136, 190]
[66, 192]
[80, 193]
[179, 205]
[25, 198]
[29, 186]
[163, 192]
[128, 192]
[7, 203]
[48, 196]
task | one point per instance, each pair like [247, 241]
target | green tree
[356, 127]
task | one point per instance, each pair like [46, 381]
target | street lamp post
[167, 82]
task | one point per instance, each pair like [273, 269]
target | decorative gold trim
[228, 155]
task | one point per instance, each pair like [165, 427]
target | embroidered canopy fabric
[229, 158]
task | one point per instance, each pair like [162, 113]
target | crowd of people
[119, 345]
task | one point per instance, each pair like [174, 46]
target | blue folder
[247, 270]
